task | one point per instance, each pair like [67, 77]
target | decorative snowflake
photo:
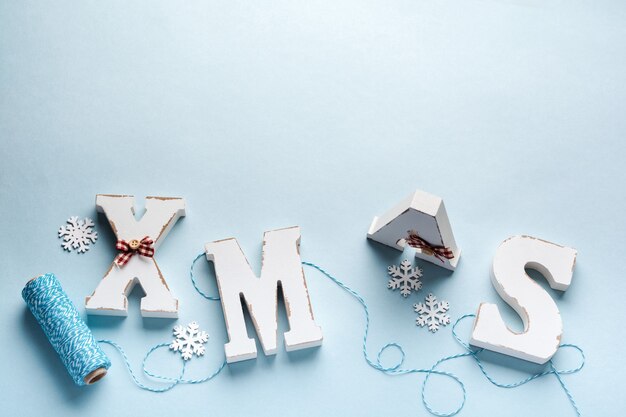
[189, 340]
[432, 313]
[78, 234]
[404, 277]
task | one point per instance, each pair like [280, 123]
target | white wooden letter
[109, 298]
[542, 322]
[424, 217]
[282, 267]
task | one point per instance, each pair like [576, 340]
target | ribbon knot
[143, 247]
[439, 252]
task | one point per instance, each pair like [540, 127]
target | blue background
[266, 114]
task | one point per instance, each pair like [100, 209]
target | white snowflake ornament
[432, 313]
[404, 277]
[78, 234]
[189, 340]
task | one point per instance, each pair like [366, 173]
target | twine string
[63, 326]
[394, 369]
[469, 352]
[195, 285]
[173, 381]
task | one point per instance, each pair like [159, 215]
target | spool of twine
[65, 329]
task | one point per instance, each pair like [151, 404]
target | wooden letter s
[542, 322]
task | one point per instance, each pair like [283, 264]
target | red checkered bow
[439, 252]
[128, 249]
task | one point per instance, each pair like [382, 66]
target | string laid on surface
[180, 378]
[376, 364]
[65, 329]
[195, 285]
[82, 356]
[473, 353]
[172, 381]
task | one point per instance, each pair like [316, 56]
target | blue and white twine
[469, 352]
[78, 350]
[172, 382]
[376, 364]
[64, 328]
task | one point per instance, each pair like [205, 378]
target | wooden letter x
[281, 267]
[109, 298]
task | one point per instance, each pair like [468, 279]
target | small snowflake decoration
[78, 234]
[432, 313]
[189, 340]
[404, 277]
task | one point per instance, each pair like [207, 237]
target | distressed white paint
[543, 326]
[161, 214]
[424, 213]
[281, 266]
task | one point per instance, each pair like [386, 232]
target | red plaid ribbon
[439, 252]
[128, 249]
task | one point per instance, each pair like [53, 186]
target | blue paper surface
[320, 114]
